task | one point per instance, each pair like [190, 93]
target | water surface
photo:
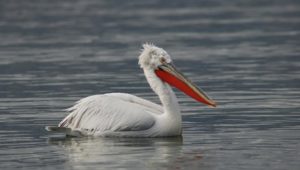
[244, 54]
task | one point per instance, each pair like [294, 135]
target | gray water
[244, 54]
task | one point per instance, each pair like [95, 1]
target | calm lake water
[244, 54]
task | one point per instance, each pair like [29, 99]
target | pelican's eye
[162, 60]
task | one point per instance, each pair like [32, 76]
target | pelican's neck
[165, 94]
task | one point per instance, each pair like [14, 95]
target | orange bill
[169, 74]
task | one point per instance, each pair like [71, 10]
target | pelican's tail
[65, 130]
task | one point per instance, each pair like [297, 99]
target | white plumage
[111, 113]
[125, 115]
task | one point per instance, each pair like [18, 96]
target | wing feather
[111, 112]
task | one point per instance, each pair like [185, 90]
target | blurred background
[243, 53]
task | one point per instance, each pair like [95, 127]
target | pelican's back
[111, 113]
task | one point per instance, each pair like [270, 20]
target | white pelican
[126, 115]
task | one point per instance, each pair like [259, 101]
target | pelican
[126, 115]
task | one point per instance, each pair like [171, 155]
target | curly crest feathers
[151, 55]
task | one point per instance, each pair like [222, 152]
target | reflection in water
[144, 152]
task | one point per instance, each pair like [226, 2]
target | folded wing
[111, 112]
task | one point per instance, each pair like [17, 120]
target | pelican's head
[152, 57]
[158, 60]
